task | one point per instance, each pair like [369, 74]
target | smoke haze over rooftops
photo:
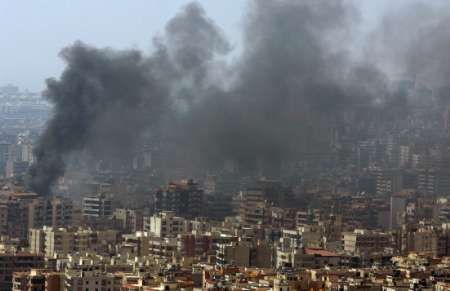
[297, 74]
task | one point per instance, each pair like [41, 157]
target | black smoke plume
[295, 80]
[102, 103]
[292, 81]
[106, 100]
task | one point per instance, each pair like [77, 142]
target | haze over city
[225, 145]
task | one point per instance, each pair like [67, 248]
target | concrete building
[99, 206]
[163, 248]
[130, 220]
[190, 245]
[53, 212]
[36, 240]
[60, 242]
[427, 241]
[24, 281]
[312, 236]
[427, 181]
[388, 181]
[314, 258]
[234, 253]
[254, 209]
[246, 254]
[185, 198]
[14, 214]
[199, 225]
[20, 262]
[365, 242]
[20, 212]
[36, 280]
[165, 224]
[92, 280]
[136, 244]
[397, 211]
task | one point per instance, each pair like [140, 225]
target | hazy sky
[33, 32]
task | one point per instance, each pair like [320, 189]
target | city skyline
[270, 145]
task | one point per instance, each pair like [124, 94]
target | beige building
[89, 280]
[58, 242]
[428, 241]
[163, 247]
[20, 262]
[14, 214]
[129, 220]
[311, 235]
[234, 253]
[36, 279]
[54, 212]
[136, 244]
[36, 241]
[165, 224]
[366, 242]
[245, 254]
[254, 209]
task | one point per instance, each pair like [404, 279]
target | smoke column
[296, 78]
[102, 103]
[106, 100]
[295, 75]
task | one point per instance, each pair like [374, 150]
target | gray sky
[33, 32]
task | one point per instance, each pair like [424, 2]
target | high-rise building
[219, 206]
[254, 209]
[57, 242]
[15, 214]
[398, 206]
[388, 181]
[36, 240]
[53, 212]
[20, 212]
[427, 181]
[5, 151]
[129, 220]
[405, 156]
[185, 198]
[99, 206]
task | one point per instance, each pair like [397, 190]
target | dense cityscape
[377, 217]
[298, 166]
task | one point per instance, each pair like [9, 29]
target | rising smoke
[294, 80]
[102, 103]
[412, 42]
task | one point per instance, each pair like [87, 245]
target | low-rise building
[92, 280]
[365, 242]
[36, 279]
[19, 262]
